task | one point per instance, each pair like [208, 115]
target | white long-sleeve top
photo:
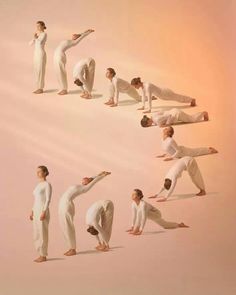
[166, 117]
[66, 44]
[119, 85]
[80, 69]
[140, 214]
[170, 146]
[93, 216]
[175, 172]
[75, 190]
[149, 90]
[40, 41]
[42, 196]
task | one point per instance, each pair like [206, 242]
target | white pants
[60, 68]
[41, 232]
[66, 218]
[168, 94]
[195, 174]
[40, 59]
[186, 118]
[90, 76]
[193, 152]
[107, 221]
[157, 218]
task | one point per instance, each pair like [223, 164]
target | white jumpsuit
[175, 116]
[42, 197]
[60, 59]
[100, 216]
[150, 90]
[67, 210]
[170, 146]
[118, 86]
[144, 211]
[188, 164]
[84, 70]
[40, 59]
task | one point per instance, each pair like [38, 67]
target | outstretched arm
[83, 35]
[99, 177]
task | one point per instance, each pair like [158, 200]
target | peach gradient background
[186, 45]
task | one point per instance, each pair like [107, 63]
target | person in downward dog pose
[141, 211]
[174, 151]
[99, 219]
[171, 117]
[150, 90]
[188, 164]
[67, 209]
[83, 74]
[60, 59]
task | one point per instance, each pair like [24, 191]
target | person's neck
[165, 136]
[42, 179]
[137, 202]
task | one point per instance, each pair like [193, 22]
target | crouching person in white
[188, 164]
[99, 219]
[141, 211]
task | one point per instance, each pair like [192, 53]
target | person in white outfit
[40, 57]
[67, 209]
[150, 90]
[141, 211]
[117, 86]
[99, 219]
[83, 75]
[60, 59]
[188, 164]
[171, 117]
[40, 214]
[175, 151]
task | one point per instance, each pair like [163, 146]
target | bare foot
[147, 112]
[183, 225]
[88, 96]
[40, 259]
[140, 109]
[193, 103]
[38, 91]
[213, 150]
[71, 252]
[109, 102]
[63, 92]
[201, 193]
[206, 116]
[154, 97]
[113, 105]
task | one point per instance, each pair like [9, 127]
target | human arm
[81, 37]
[169, 192]
[99, 177]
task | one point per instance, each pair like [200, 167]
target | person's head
[41, 26]
[75, 36]
[86, 180]
[42, 172]
[137, 195]
[110, 73]
[168, 131]
[78, 82]
[92, 230]
[167, 183]
[136, 82]
[146, 121]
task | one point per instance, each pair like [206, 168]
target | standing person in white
[99, 219]
[171, 117]
[67, 209]
[175, 151]
[188, 164]
[40, 57]
[83, 75]
[141, 211]
[150, 90]
[60, 59]
[117, 86]
[40, 214]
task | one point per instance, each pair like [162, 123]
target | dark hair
[144, 121]
[44, 169]
[92, 230]
[171, 129]
[139, 193]
[112, 71]
[136, 81]
[42, 24]
[78, 82]
[167, 183]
